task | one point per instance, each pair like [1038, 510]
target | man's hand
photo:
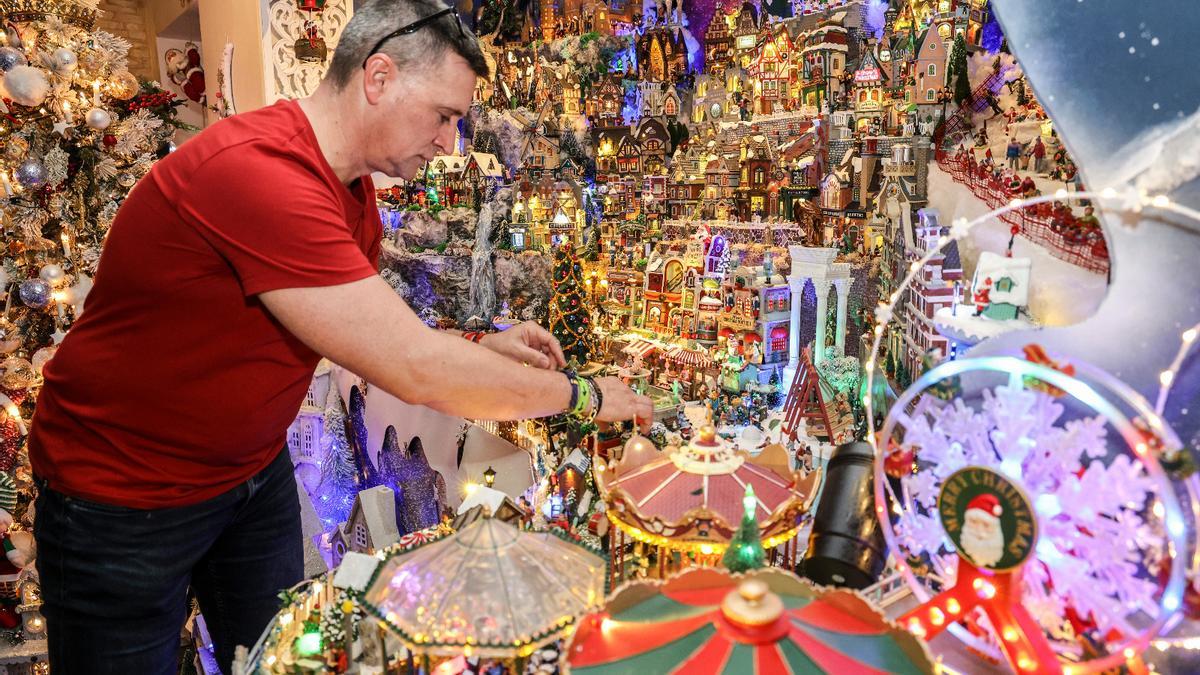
[621, 404]
[527, 343]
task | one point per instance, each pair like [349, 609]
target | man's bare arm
[365, 327]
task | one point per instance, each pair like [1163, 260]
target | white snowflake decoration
[1095, 546]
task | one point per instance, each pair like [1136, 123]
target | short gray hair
[376, 18]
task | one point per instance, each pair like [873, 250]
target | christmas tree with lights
[569, 319]
[745, 550]
[77, 131]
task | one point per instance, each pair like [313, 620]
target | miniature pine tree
[958, 68]
[568, 308]
[1022, 95]
[745, 550]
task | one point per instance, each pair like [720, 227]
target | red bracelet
[474, 336]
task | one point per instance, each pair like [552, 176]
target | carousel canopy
[691, 497]
[707, 622]
[490, 587]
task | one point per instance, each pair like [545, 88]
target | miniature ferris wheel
[1041, 512]
[1051, 480]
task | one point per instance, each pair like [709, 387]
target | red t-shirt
[176, 384]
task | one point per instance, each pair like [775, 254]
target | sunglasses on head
[414, 27]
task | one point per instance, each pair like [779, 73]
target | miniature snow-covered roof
[488, 164]
[448, 163]
[997, 267]
[379, 510]
[484, 496]
[355, 571]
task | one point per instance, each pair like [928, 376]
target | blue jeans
[115, 579]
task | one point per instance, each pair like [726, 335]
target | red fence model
[1057, 230]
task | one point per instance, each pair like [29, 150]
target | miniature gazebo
[682, 506]
[489, 589]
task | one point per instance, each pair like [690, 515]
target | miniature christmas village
[771, 221]
[792, 225]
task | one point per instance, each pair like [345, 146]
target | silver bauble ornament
[52, 274]
[65, 61]
[11, 58]
[31, 173]
[98, 119]
[41, 356]
[16, 373]
[35, 293]
[27, 86]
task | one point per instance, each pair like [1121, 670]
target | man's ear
[377, 77]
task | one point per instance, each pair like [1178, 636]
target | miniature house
[372, 524]
[1007, 281]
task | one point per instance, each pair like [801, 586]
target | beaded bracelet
[599, 396]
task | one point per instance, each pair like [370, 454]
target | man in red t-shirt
[233, 266]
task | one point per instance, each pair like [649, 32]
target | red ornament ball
[109, 140]
[1015, 230]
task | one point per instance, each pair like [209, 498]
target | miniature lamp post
[489, 477]
[944, 96]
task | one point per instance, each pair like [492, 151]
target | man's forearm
[454, 376]
[366, 328]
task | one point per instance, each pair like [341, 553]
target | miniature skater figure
[1013, 153]
[1038, 153]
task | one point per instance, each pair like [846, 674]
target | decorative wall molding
[287, 76]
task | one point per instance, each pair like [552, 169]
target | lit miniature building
[371, 526]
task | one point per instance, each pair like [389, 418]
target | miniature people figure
[1013, 153]
[1038, 152]
[1088, 219]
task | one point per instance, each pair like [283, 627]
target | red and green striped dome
[709, 622]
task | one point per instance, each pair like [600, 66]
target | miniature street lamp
[944, 96]
[489, 477]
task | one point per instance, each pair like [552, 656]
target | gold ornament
[752, 604]
[16, 148]
[24, 11]
[123, 86]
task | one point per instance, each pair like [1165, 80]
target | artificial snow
[961, 325]
[1060, 294]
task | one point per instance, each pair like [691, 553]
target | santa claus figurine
[981, 296]
[18, 552]
[183, 69]
[982, 539]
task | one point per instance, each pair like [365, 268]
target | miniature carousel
[489, 596]
[769, 621]
[681, 506]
